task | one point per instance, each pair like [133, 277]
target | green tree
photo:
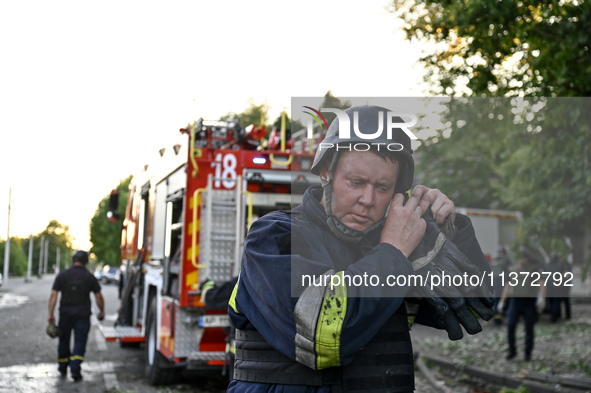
[105, 236]
[253, 114]
[18, 259]
[330, 101]
[289, 124]
[58, 235]
[548, 175]
[495, 158]
[463, 159]
[257, 114]
[504, 48]
[510, 49]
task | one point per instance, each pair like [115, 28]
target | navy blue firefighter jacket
[280, 248]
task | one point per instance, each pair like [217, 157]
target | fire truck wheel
[159, 370]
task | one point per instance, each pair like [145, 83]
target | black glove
[100, 316]
[436, 258]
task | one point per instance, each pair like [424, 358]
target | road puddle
[44, 377]
[12, 300]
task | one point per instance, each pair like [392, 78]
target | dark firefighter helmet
[368, 119]
[53, 331]
[80, 256]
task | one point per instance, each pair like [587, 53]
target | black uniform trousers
[80, 326]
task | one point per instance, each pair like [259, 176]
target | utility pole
[58, 264]
[45, 255]
[30, 264]
[41, 248]
[7, 248]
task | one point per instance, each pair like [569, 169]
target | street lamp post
[41, 248]
[45, 255]
[7, 248]
[30, 262]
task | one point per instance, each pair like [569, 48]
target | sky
[90, 91]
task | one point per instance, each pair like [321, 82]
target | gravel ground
[560, 348]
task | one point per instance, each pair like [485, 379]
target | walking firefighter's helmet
[53, 331]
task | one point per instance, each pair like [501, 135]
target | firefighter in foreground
[75, 284]
[324, 337]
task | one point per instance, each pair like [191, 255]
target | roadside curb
[497, 378]
[581, 300]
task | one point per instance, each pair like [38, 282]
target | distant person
[500, 266]
[526, 300]
[558, 294]
[75, 284]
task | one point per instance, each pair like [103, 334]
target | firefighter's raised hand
[440, 204]
[404, 226]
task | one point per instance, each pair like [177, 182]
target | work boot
[76, 374]
[528, 357]
[511, 355]
[63, 370]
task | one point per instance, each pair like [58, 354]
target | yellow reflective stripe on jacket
[63, 360]
[76, 357]
[232, 301]
[411, 321]
[330, 324]
[412, 309]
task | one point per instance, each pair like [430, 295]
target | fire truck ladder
[222, 234]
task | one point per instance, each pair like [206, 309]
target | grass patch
[521, 389]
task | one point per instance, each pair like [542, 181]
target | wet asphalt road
[28, 357]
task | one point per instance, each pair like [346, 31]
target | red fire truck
[185, 222]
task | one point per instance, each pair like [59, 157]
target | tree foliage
[105, 236]
[56, 235]
[531, 155]
[503, 48]
[253, 114]
[330, 101]
[465, 165]
[258, 114]
[18, 259]
[289, 124]
[539, 165]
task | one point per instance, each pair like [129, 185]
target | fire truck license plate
[214, 321]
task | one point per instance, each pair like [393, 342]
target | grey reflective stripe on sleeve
[419, 263]
[306, 314]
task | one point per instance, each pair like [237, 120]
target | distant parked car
[111, 274]
[98, 272]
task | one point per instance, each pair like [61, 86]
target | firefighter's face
[363, 186]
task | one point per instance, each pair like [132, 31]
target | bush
[18, 258]
[520, 389]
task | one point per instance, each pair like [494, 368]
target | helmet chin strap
[340, 230]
